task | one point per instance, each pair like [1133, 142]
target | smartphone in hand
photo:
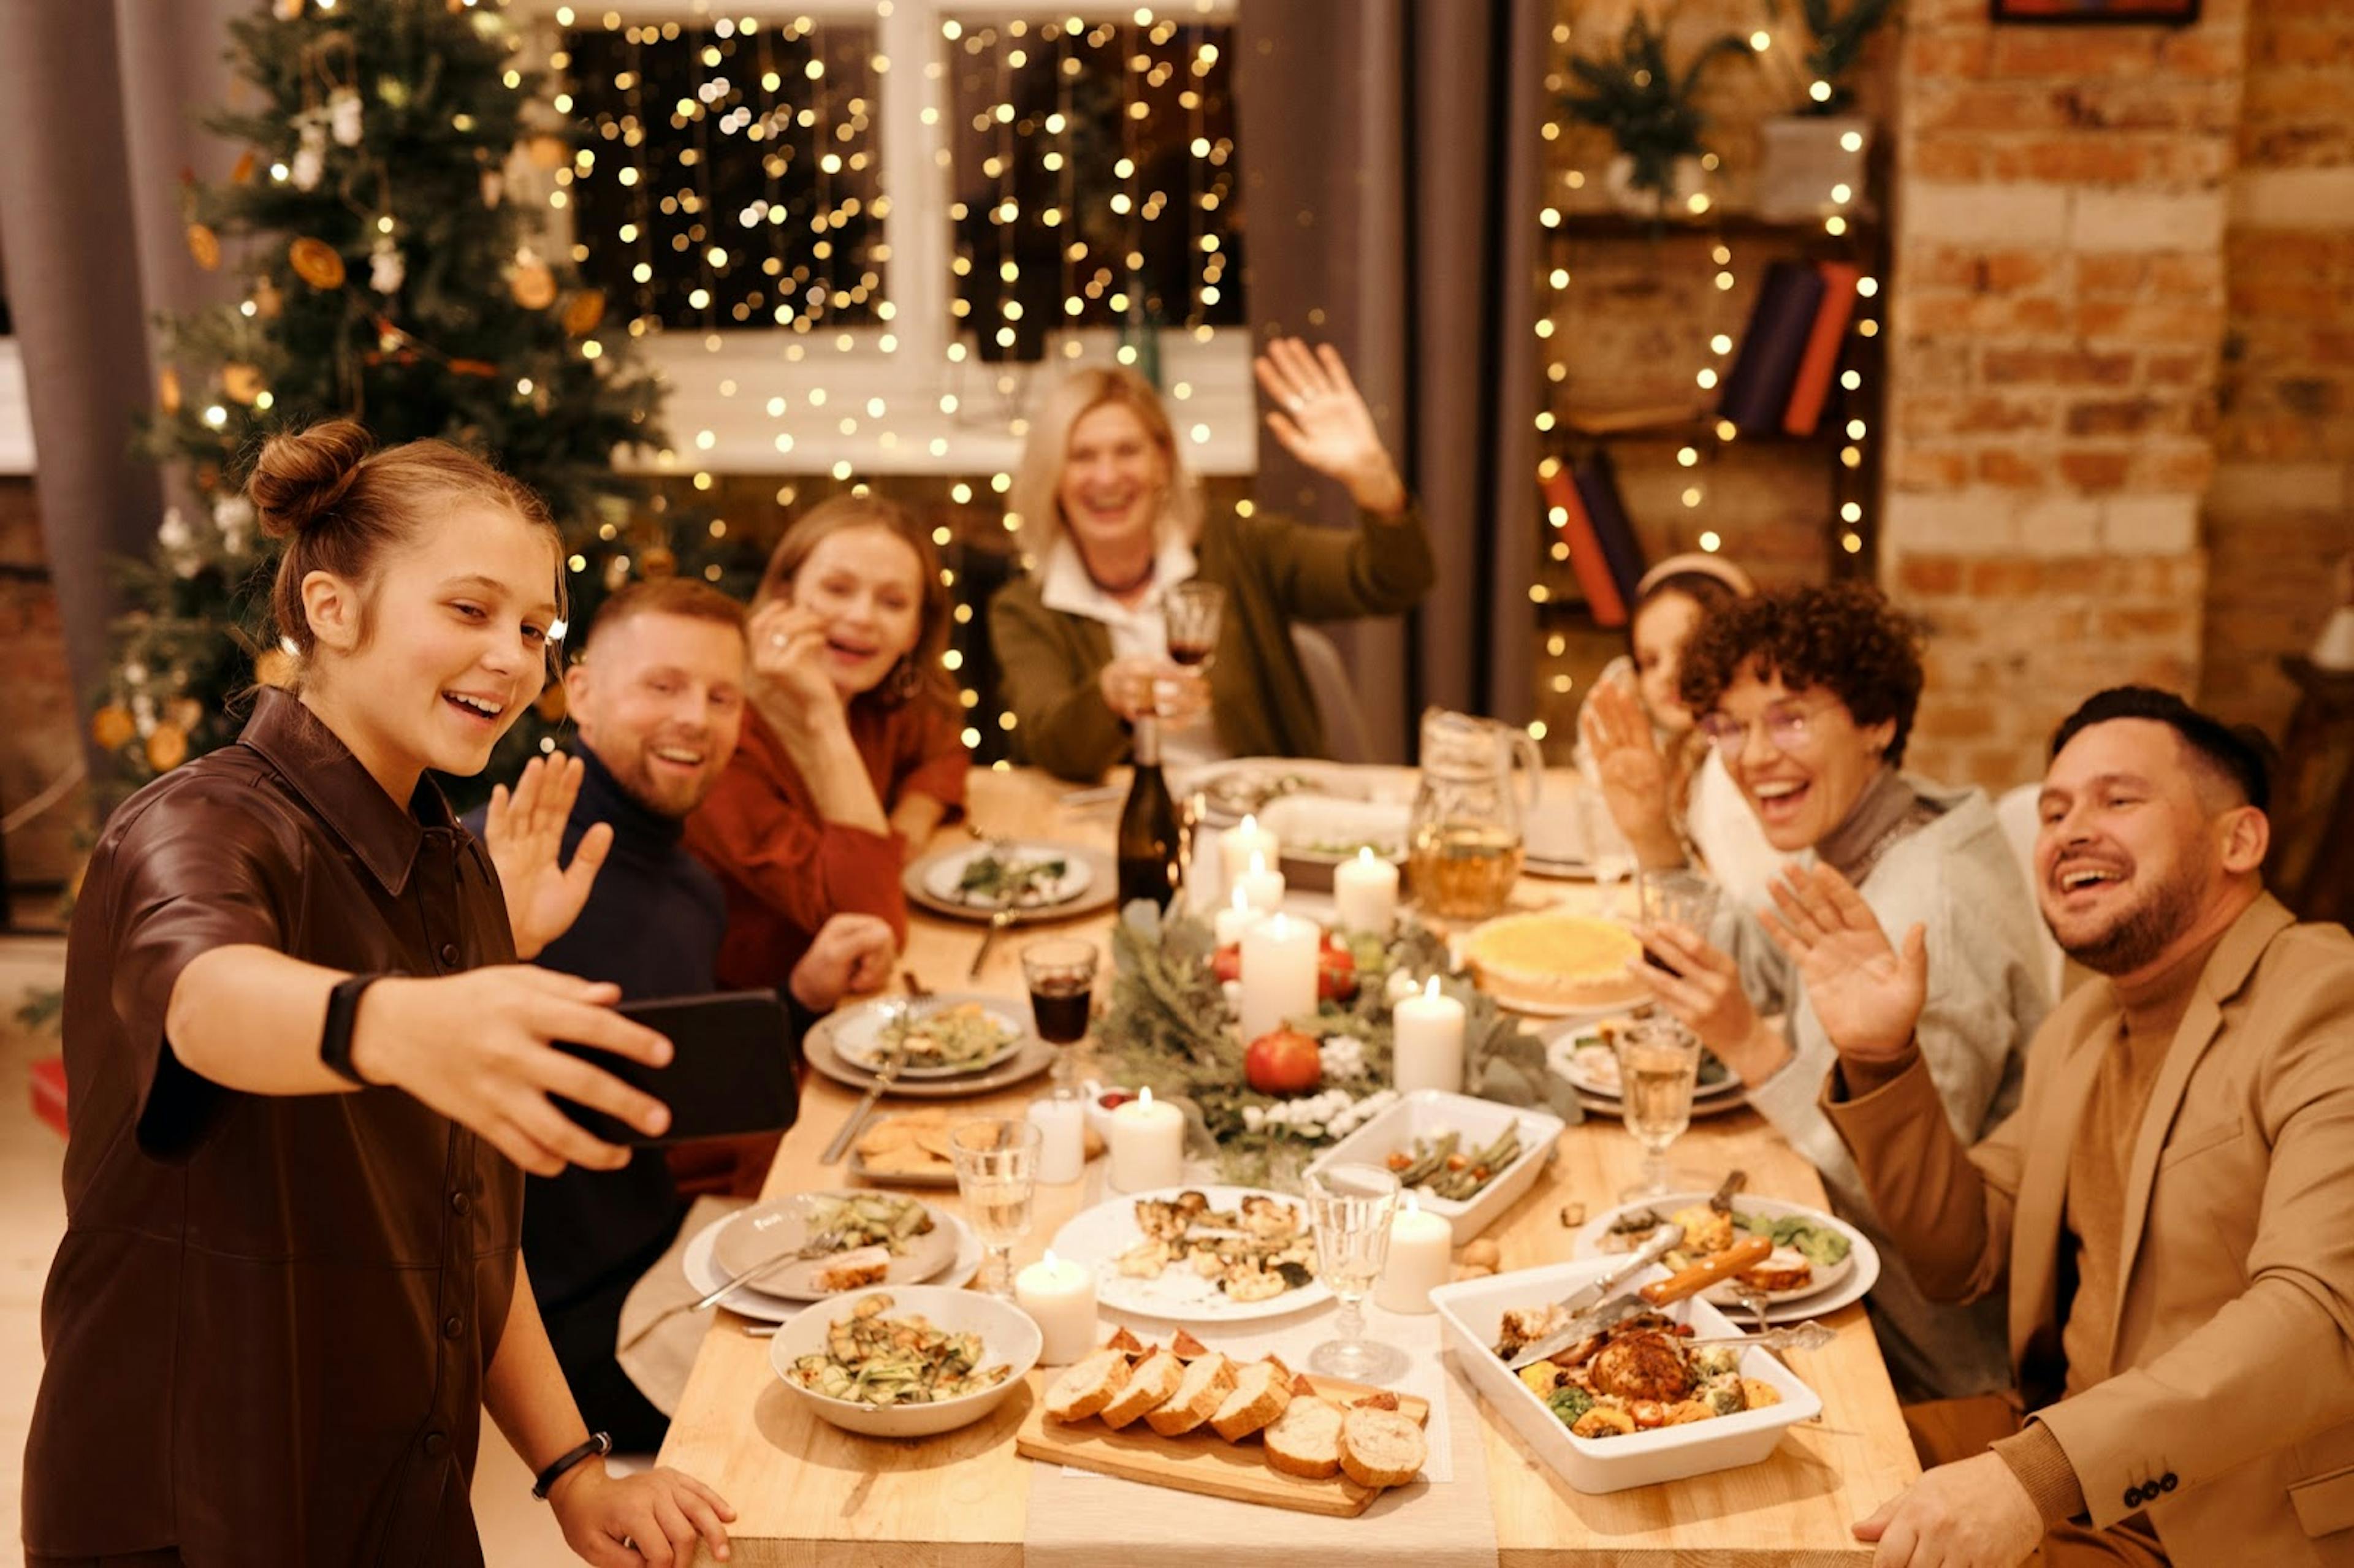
[733, 1068]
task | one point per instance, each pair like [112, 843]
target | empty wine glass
[1658, 1060]
[996, 1164]
[1061, 973]
[1350, 1207]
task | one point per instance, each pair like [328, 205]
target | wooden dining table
[811, 1496]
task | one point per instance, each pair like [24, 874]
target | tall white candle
[1427, 1040]
[1364, 893]
[1261, 888]
[1237, 844]
[1279, 972]
[1148, 1145]
[1063, 1142]
[1421, 1257]
[1234, 919]
[1060, 1297]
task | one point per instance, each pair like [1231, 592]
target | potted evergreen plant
[1647, 106]
[1811, 161]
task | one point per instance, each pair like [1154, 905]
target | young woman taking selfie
[307, 1074]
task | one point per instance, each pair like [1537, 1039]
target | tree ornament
[533, 285]
[494, 187]
[344, 116]
[167, 391]
[585, 311]
[267, 300]
[204, 245]
[549, 152]
[317, 262]
[233, 515]
[172, 533]
[185, 711]
[387, 271]
[167, 747]
[242, 383]
[392, 91]
[112, 727]
[288, 10]
[310, 161]
[242, 173]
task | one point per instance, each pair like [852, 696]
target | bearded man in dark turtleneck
[658, 699]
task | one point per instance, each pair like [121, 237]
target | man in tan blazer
[2172, 1206]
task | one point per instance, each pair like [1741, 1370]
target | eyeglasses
[1785, 726]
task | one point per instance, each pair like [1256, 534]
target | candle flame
[1365, 853]
[1144, 1095]
[1431, 989]
[1051, 1261]
[1250, 824]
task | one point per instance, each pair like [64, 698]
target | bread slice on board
[1262, 1391]
[1381, 1448]
[1149, 1384]
[1305, 1440]
[1208, 1379]
[1087, 1386]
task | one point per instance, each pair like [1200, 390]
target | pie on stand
[810, 1495]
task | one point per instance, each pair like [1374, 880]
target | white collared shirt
[1141, 630]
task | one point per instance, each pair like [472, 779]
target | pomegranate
[1283, 1062]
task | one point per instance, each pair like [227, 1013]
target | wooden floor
[517, 1533]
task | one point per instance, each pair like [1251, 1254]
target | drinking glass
[1350, 1207]
[1658, 1060]
[997, 1173]
[1686, 897]
[1191, 611]
[1061, 973]
[1607, 854]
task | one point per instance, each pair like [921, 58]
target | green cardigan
[1275, 571]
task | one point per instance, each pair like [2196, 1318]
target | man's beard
[2142, 933]
[637, 782]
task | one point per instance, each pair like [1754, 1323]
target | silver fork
[817, 1245]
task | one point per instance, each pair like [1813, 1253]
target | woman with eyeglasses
[1808, 697]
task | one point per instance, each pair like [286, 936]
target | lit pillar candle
[1425, 1040]
[1364, 892]
[1421, 1258]
[1237, 844]
[1063, 1142]
[1148, 1145]
[1279, 973]
[1261, 888]
[1234, 919]
[1060, 1297]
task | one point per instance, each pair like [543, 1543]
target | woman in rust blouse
[304, 1067]
[852, 753]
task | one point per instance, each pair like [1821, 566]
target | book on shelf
[1811, 386]
[1756, 392]
[1596, 479]
[1585, 559]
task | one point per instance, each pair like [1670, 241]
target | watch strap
[336, 1039]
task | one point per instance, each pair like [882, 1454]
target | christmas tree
[384, 216]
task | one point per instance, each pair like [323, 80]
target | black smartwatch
[598, 1444]
[336, 1039]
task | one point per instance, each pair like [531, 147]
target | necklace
[1121, 590]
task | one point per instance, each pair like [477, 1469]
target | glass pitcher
[1463, 842]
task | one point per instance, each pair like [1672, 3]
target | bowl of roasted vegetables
[1464, 1158]
[905, 1361]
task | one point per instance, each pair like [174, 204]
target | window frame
[720, 382]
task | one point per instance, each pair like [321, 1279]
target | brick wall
[2283, 502]
[2058, 314]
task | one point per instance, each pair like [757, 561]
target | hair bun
[303, 475]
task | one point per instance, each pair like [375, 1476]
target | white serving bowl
[1425, 1112]
[1472, 1310]
[1006, 1332]
[1300, 821]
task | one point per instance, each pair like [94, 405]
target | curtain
[98, 106]
[1391, 178]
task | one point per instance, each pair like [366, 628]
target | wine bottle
[1147, 825]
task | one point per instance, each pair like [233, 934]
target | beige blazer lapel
[2227, 970]
[2042, 1202]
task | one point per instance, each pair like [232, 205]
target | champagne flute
[1658, 1060]
[1061, 973]
[996, 1164]
[1350, 1207]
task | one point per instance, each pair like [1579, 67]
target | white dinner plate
[1591, 1066]
[764, 1230]
[1833, 1289]
[701, 1265]
[1096, 1238]
[857, 1031]
[943, 872]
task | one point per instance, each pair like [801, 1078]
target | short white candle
[1237, 844]
[1261, 889]
[1063, 1141]
[1148, 1145]
[1427, 1040]
[1421, 1257]
[1234, 919]
[1364, 892]
[1060, 1297]
[1279, 972]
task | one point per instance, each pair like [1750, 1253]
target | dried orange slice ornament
[317, 263]
[204, 245]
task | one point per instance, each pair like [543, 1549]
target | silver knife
[887, 1075]
[1590, 1317]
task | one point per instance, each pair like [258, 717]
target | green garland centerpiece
[1171, 1029]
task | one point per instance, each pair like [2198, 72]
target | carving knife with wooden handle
[1747, 1252]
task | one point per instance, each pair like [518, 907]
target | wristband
[598, 1444]
[336, 1039]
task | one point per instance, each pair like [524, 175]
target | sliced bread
[1381, 1448]
[1187, 1348]
[1262, 1390]
[1150, 1383]
[1087, 1386]
[1124, 1341]
[1208, 1379]
[1305, 1440]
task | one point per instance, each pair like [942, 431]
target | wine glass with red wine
[1192, 610]
[1061, 973]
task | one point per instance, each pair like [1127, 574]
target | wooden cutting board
[1203, 1461]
